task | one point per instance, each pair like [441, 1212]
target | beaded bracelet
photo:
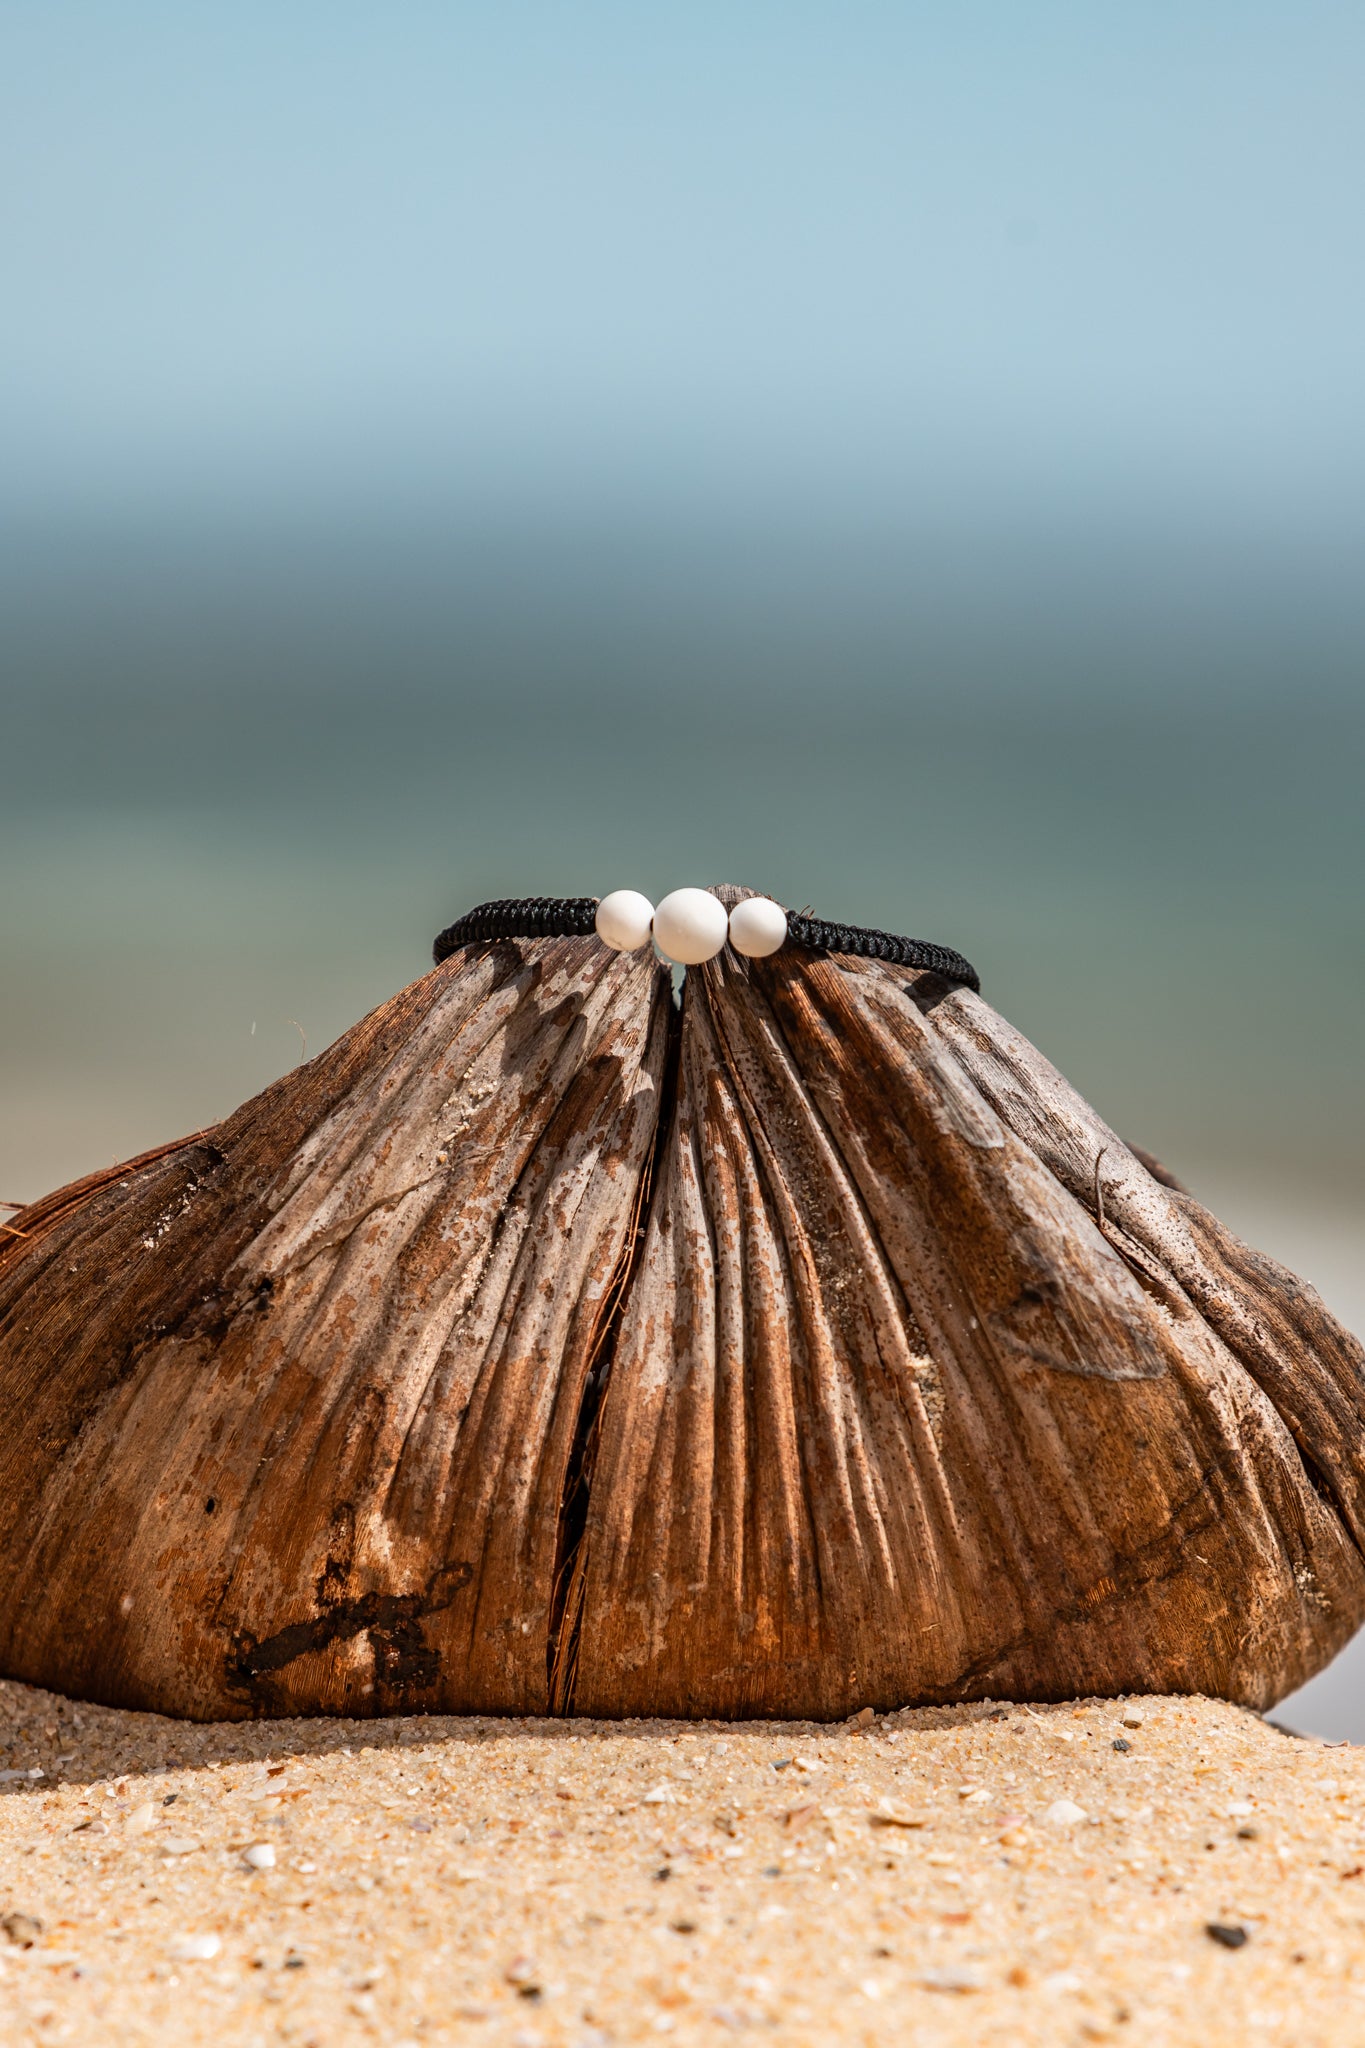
[691, 926]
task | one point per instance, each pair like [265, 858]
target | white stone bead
[690, 926]
[758, 926]
[623, 920]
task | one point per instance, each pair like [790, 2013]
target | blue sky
[1055, 249]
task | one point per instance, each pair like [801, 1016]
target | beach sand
[993, 1873]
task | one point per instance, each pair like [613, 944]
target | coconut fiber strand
[542, 1346]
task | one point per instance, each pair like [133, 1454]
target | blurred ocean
[244, 779]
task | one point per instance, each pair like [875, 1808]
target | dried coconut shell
[543, 1347]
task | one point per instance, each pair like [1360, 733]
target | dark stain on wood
[393, 1622]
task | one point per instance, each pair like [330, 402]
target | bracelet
[689, 927]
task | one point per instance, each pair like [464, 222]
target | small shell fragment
[195, 1948]
[888, 1816]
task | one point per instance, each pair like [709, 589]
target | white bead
[690, 926]
[623, 920]
[758, 926]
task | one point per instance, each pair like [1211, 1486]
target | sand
[984, 1874]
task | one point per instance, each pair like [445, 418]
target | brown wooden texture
[892, 1417]
[288, 1414]
[539, 1346]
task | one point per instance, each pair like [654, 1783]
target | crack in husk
[566, 1594]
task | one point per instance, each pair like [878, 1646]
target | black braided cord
[868, 944]
[571, 917]
[519, 917]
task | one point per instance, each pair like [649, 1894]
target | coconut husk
[542, 1347]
